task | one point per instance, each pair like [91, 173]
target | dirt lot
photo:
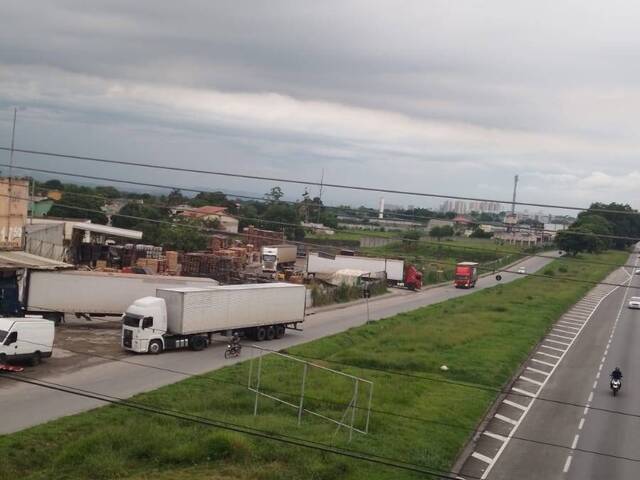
[79, 343]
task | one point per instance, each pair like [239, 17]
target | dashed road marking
[590, 397]
[481, 457]
[567, 464]
[514, 404]
[581, 424]
[505, 419]
[575, 442]
[494, 435]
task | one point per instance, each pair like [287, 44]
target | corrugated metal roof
[116, 232]
[15, 260]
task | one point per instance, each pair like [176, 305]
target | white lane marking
[586, 410]
[547, 354]
[531, 380]
[559, 336]
[557, 341]
[567, 465]
[575, 442]
[482, 458]
[595, 384]
[574, 319]
[553, 348]
[541, 372]
[534, 396]
[600, 367]
[542, 362]
[590, 397]
[568, 326]
[581, 424]
[524, 392]
[505, 419]
[597, 375]
[604, 358]
[514, 404]
[494, 435]
[563, 331]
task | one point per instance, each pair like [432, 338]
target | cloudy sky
[431, 96]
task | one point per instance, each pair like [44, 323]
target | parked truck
[466, 275]
[397, 272]
[83, 293]
[278, 257]
[188, 317]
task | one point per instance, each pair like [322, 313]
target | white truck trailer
[83, 293]
[328, 264]
[277, 257]
[187, 317]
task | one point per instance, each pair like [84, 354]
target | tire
[155, 347]
[271, 332]
[227, 353]
[35, 359]
[198, 343]
[615, 392]
[280, 331]
[3, 358]
[261, 334]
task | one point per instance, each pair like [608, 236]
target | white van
[28, 338]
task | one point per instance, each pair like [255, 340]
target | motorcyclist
[235, 341]
[616, 374]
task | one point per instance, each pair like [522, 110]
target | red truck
[466, 275]
[412, 278]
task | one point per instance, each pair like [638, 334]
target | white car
[637, 272]
[522, 270]
[634, 302]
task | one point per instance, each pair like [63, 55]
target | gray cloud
[429, 96]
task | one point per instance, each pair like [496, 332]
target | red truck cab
[412, 278]
[466, 275]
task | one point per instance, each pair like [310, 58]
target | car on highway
[634, 302]
[522, 270]
[637, 272]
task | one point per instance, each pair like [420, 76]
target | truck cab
[466, 275]
[269, 259]
[144, 324]
[25, 338]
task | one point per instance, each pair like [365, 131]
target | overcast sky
[451, 97]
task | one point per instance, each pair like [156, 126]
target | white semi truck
[83, 293]
[187, 317]
[277, 257]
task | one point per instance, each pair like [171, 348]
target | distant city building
[461, 207]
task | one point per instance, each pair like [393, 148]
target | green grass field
[482, 338]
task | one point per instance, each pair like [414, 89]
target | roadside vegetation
[481, 338]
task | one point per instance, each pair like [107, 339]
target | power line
[187, 189]
[304, 182]
[224, 425]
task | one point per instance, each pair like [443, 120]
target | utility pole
[320, 195]
[515, 187]
[10, 189]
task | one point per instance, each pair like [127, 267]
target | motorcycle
[232, 351]
[615, 385]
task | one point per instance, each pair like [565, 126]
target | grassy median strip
[482, 338]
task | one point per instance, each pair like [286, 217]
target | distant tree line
[596, 230]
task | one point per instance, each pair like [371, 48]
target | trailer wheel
[271, 332]
[3, 358]
[280, 331]
[261, 334]
[155, 347]
[197, 343]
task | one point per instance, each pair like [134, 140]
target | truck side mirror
[12, 338]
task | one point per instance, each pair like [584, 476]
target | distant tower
[381, 210]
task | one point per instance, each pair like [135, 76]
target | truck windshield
[269, 258]
[131, 321]
[462, 277]
[3, 335]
